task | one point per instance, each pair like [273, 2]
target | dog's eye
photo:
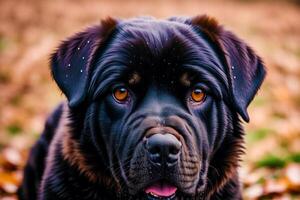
[120, 94]
[197, 95]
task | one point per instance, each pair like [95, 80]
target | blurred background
[31, 29]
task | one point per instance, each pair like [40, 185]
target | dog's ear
[246, 69]
[72, 61]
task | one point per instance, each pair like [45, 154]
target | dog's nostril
[154, 150]
[163, 148]
[175, 149]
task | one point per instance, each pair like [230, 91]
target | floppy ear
[246, 69]
[72, 61]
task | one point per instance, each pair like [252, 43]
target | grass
[257, 135]
[14, 129]
[275, 161]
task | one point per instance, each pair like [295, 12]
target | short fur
[92, 145]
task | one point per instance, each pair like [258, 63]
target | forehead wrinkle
[202, 56]
[205, 74]
[192, 49]
[156, 35]
[199, 45]
[109, 69]
[147, 37]
[209, 49]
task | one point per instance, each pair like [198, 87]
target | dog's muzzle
[163, 148]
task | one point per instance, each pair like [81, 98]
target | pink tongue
[161, 189]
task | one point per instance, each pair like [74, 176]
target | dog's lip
[161, 189]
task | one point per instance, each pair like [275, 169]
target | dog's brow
[134, 78]
[185, 79]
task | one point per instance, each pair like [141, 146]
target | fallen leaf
[275, 187]
[254, 191]
[8, 182]
[12, 157]
[292, 174]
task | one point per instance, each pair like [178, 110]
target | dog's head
[159, 102]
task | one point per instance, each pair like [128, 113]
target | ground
[30, 30]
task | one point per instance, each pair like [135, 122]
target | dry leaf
[254, 191]
[275, 187]
[292, 174]
[12, 157]
[8, 182]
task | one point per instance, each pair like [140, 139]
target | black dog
[153, 113]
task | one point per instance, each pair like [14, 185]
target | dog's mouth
[160, 190]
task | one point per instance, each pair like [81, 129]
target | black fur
[92, 147]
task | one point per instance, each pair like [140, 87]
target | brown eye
[120, 94]
[198, 95]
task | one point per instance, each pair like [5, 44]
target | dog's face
[160, 101]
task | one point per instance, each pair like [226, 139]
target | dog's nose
[163, 148]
